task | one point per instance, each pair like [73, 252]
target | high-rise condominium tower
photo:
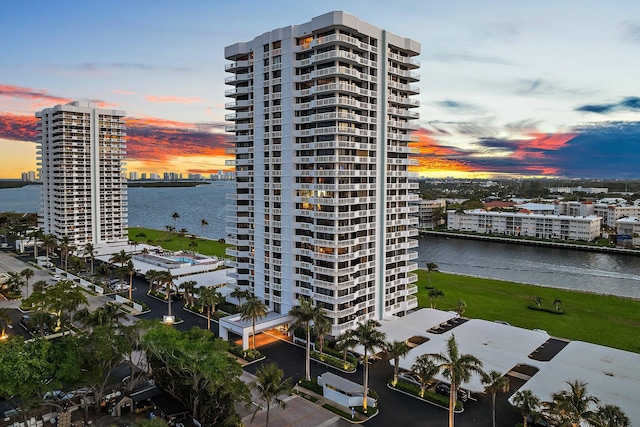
[322, 116]
[81, 156]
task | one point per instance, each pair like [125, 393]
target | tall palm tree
[27, 273]
[65, 247]
[494, 382]
[269, 386]
[395, 350]
[14, 281]
[131, 270]
[166, 278]
[36, 235]
[153, 277]
[253, 309]
[303, 316]
[322, 326]
[370, 338]
[181, 234]
[49, 243]
[425, 368]
[528, 403]
[209, 298]
[203, 224]
[457, 368]
[175, 217]
[574, 406]
[39, 286]
[431, 266]
[103, 271]
[610, 416]
[90, 250]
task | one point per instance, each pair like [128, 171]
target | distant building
[133, 176]
[171, 176]
[143, 176]
[154, 176]
[81, 152]
[562, 227]
[628, 232]
[579, 189]
[538, 208]
[426, 209]
[29, 176]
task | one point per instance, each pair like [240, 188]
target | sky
[508, 88]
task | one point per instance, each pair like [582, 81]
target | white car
[409, 378]
[57, 277]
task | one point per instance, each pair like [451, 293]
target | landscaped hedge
[250, 355]
[334, 361]
[547, 309]
[428, 395]
[311, 385]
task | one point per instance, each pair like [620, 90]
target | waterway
[614, 274]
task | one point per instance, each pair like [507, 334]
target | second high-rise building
[322, 117]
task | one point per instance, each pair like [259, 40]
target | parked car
[56, 277]
[445, 389]
[409, 378]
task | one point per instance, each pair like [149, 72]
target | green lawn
[173, 242]
[599, 319]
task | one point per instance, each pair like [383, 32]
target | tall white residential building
[81, 155]
[322, 117]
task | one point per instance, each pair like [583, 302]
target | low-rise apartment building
[426, 209]
[562, 227]
[628, 232]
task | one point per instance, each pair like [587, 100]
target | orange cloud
[542, 142]
[174, 99]
[122, 92]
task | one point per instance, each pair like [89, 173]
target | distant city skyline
[507, 89]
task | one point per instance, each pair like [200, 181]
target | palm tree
[203, 224]
[165, 278]
[90, 250]
[557, 303]
[395, 351]
[121, 258]
[303, 315]
[131, 270]
[181, 234]
[573, 407]
[103, 271]
[36, 235]
[370, 338]
[239, 293]
[528, 403]
[457, 368]
[344, 343]
[461, 306]
[39, 286]
[189, 289]
[27, 273]
[65, 247]
[175, 217]
[269, 386]
[494, 382]
[5, 320]
[253, 309]
[431, 266]
[433, 294]
[49, 243]
[209, 298]
[15, 282]
[322, 326]
[193, 244]
[610, 416]
[425, 368]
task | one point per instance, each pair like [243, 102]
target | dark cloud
[459, 106]
[631, 103]
[547, 87]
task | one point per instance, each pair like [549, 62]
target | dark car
[445, 389]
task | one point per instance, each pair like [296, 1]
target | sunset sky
[508, 88]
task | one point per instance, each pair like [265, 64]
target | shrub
[334, 361]
[428, 395]
[311, 385]
[250, 355]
